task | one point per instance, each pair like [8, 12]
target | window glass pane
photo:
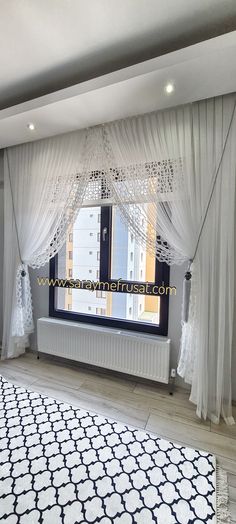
[126, 306]
[130, 260]
[79, 258]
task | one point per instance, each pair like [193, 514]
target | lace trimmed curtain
[158, 169]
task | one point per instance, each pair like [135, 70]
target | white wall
[234, 355]
[1, 241]
[234, 331]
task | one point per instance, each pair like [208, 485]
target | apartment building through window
[121, 267]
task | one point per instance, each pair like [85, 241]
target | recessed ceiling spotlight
[169, 88]
[31, 126]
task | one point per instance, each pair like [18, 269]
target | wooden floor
[143, 405]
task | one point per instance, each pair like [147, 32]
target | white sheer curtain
[41, 194]
[167, 160]
[205, 361]
[188, 143]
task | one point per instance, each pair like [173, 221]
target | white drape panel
[167, 160]
[46, 194]
[205, 361]
[195, 134]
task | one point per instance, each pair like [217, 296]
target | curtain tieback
[186, 292]
[23, 320]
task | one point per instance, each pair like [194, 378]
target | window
[91, 234]
[70, 255]
[121, 300]
[100, 311]
[100, 294]
[70, 238]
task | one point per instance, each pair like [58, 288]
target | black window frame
[161, 278]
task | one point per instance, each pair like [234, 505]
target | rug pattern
[62, 465]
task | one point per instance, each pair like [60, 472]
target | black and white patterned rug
[60, 464]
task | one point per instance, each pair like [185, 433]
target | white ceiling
[50, 44]
[200, 71]
[69, 64]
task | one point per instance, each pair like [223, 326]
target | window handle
[104, 233]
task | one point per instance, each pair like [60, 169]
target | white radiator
[137, 354]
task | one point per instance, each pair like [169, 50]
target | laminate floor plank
[51, 368]
[232, 479]
[232, 508]
[17, 376]
[179, 397]
[65, 377]
[192, 436]
[223, 429]
[158, 405]
[228, 464]
[232, 493]
[103, 406]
